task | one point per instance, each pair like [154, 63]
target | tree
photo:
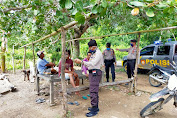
[29, 20]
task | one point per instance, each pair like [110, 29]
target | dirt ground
[115, 101]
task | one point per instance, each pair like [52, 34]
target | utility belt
[131, 59]
[94, 71]
[111, 60]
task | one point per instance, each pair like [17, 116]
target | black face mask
[92, 51]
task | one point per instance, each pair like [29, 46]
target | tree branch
[16, 8]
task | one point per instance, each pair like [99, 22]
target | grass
[120, 70]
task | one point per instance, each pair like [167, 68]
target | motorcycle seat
[170, 71]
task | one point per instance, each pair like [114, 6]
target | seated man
[43, 66]
[84, 68]
[69, 72]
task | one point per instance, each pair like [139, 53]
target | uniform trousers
[94, 87]
[108, 64]
[130, 67]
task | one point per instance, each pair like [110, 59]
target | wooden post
[3, 49]
[134, 83]
[24, 56]
[71, 43]
[33, 55]
[63, 60]
[13, 60]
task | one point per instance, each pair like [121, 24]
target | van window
[176, 50]
[163, 50]
[147, 51]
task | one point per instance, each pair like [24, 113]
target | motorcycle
[157, 100]
[157, 76]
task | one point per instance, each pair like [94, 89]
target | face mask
[131, 44]
[92, 51]
[108, 49]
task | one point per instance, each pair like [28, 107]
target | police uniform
[131, 59]
[95, 75]
[109, 59]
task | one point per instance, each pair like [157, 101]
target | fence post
[13, 60]
[63, 60]
[33, 55]
[24, 56]
[3, 49]
[134, 83]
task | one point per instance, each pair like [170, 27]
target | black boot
[113, 80]
[107, 79]
[93, 111]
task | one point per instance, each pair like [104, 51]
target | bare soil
[115, 101]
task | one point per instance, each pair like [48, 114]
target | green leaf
[94, 9]
[62, 3]
[103, 12]
[80, 18]
[162, 5]
[35, 12]
[58, 13]
[74, 12]
[68, 4]
[150, 13]
[165, 11]
[93, 2]
[99, 9]
[79, 6]
[137, 3]
[104, 3]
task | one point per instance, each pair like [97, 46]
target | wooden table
[51, 79]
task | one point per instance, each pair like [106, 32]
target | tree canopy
[24, 21]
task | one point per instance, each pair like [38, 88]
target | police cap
[133, 40]
[92, 43]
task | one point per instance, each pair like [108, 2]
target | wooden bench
[51, 79]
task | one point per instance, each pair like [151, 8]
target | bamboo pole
[82, 88]
[136, 32]
[13, 60]
[24, 58]
[134, 83]
[24, 62]
[71, 43]
[66, 27]
[3, 49]
[63, 60]
[33, 55]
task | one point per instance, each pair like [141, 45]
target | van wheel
[125, 66]
[154, 82]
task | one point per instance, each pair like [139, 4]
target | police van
[157, 53]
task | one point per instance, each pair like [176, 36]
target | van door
[175, 54]
[146, 55]
[163, 57]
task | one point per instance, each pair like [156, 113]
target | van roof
[171, 42]
[167, 43]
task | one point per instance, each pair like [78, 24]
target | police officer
[109, 59]
[131, 58]
[95, 74]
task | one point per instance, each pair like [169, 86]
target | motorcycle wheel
[151, 108]
[154, 82]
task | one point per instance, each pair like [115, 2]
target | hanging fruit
[135, 11]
